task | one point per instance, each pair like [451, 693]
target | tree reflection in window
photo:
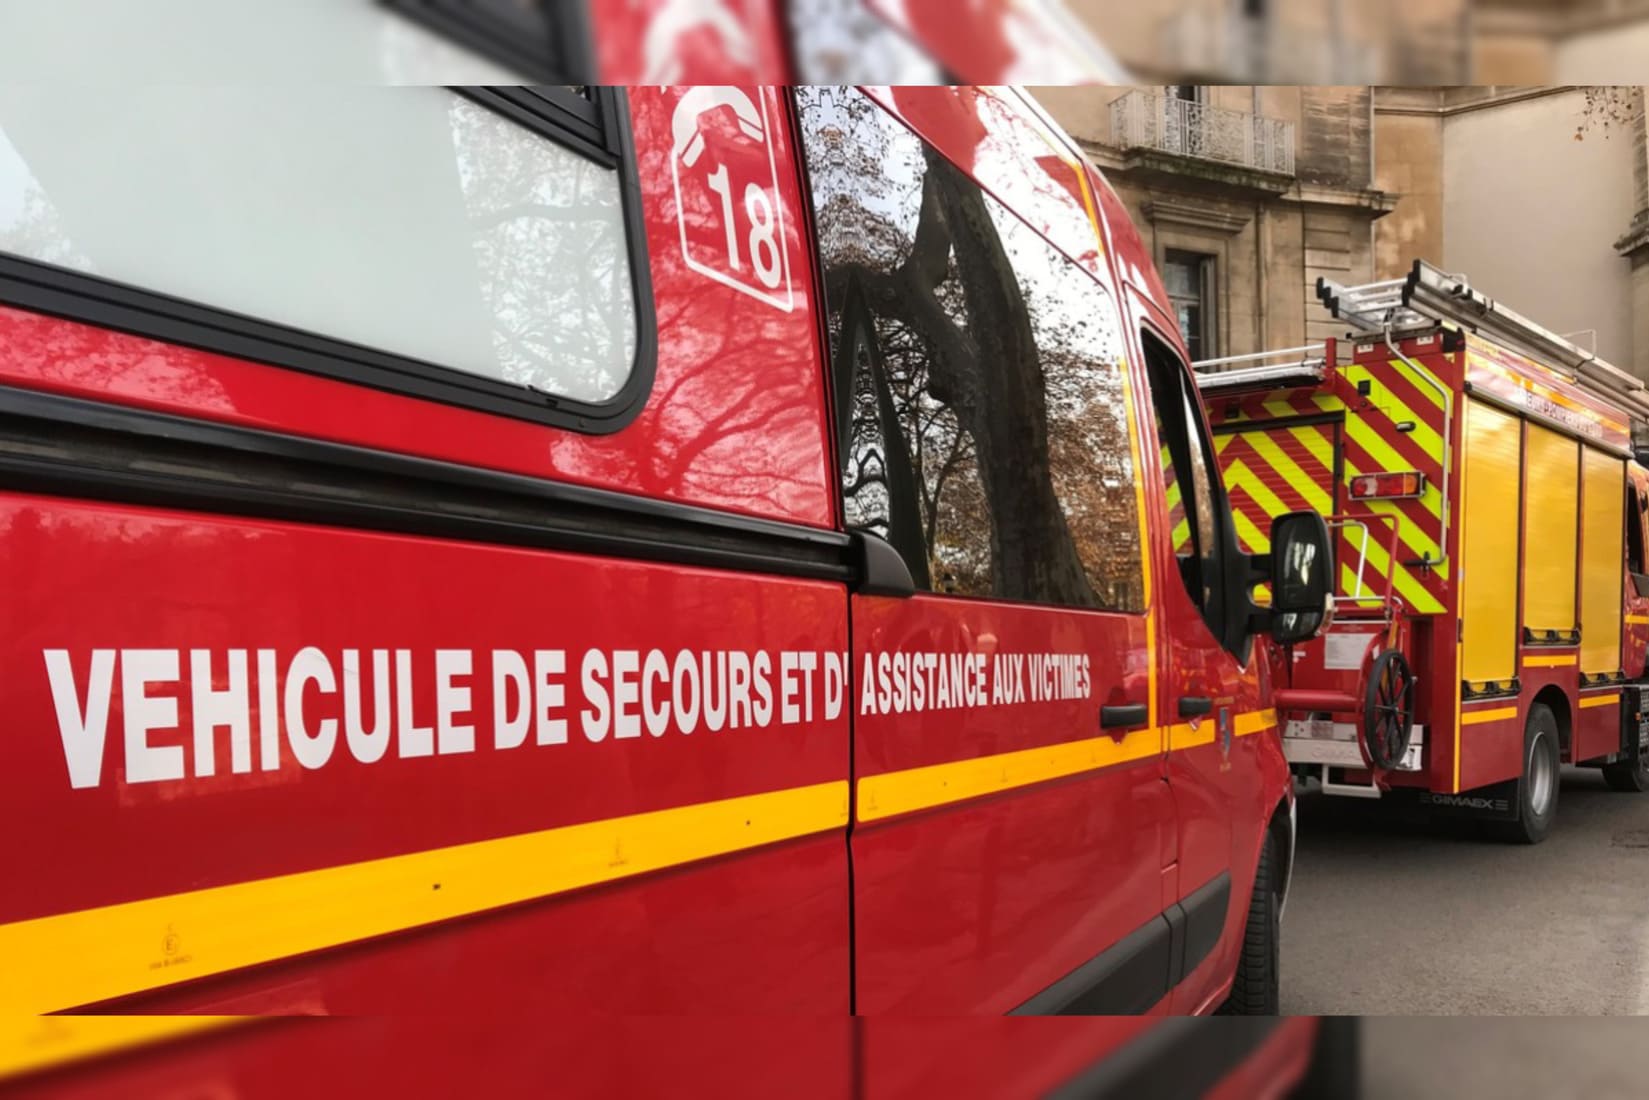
[980, 411]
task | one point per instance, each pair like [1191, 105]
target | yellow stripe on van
[32, 1043]
[1182, 736]
[73, 959]
[912, 789]
[1599, 700]
[1478, 717]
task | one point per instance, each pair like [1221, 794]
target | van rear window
[982, 418]
[479, 246]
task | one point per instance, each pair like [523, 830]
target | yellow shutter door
[1488, 565]
[1551, 530]
[1603, 561]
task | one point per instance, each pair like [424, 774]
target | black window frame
[604, 137]
[1227, 573]
[561, 50]
[1635, 549]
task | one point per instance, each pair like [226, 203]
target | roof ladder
[1429, 296]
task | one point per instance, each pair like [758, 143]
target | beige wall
[1138, 32]
[1512, 57]
[1531, 215]
[1408, 141]
[1608, 55]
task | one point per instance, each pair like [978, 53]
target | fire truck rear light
[1409, 483]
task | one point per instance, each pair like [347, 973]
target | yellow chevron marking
[1396, 409]
[1317, 498]
[1319, 444]
[1239, 473]
[1407, 533]
[1258, 541]
[1414, 379]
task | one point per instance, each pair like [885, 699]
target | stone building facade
[1539, 195]
[1315, 42]
[1388, 42]
[1246, 196]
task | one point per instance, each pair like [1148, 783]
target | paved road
[1395, 919]
[1504, 1059]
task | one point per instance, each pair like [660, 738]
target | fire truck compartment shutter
[1550, 530]
[1602, 568]
[1488, 609]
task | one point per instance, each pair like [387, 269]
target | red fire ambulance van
[678, 550]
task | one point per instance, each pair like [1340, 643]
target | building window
[482, 248]
[982, 421]
[1190, 279]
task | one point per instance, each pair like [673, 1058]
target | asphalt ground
[1504, 1059]
[1389, 917]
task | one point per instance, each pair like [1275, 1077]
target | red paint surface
[590, 1055]
[968, 908]
[978, 906]
[668, 42]
[734, 420]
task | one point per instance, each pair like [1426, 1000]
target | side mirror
[1302, 577]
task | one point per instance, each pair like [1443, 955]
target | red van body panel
[468, 782]
[736, 421]
[813, 1058]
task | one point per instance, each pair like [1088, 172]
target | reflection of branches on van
[979, 364]
[858, 338]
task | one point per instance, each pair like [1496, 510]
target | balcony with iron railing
[1155, 121]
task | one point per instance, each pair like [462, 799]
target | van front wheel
[1256, 989]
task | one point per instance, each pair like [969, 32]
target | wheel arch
[1556, 700]
[1281, 829]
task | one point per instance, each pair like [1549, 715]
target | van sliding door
[1010, 815]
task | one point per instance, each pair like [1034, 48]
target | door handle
[1127, 714]
[1195, 706]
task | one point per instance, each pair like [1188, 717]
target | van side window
[1634, 529]
[481, 247]
[981, 418]
[1187, 473]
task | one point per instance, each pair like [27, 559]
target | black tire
[1542, 764]
[1256, 990]
[1336, 1070]
[1630, 775]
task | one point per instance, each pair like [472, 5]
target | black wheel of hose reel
[1388, 710]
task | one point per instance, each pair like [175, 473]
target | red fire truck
[573, 550]
[1492, 603]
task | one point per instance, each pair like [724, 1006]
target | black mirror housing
[1302, 577]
